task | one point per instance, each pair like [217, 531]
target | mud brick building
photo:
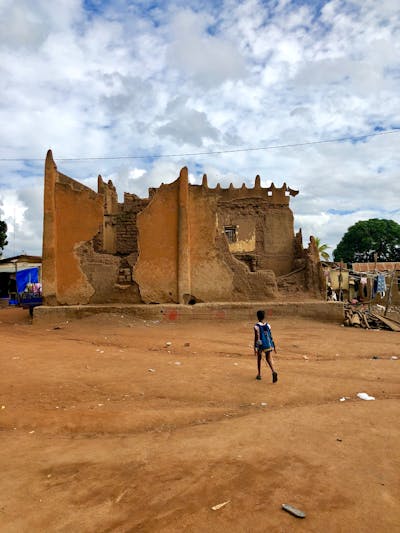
[183, 244]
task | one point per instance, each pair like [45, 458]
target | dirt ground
[105, 426]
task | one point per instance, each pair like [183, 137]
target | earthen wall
[184, 244]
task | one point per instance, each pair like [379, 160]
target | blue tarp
[29, 275]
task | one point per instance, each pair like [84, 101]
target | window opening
[231, 233]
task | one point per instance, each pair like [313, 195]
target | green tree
[369, 237]
[3, 235]
[322, 249]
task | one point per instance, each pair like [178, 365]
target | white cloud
[208, 59]
[187, 76]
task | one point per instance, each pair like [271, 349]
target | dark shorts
[265, 350]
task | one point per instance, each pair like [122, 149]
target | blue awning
[23, 277]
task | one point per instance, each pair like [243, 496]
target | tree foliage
[322, 249]
[366, 238]
[3, 235]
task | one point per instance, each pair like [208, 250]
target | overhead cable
[213, 152]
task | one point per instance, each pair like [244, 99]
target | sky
[108, 85]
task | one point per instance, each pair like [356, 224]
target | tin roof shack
[8, 270]
[337, 280]
[369, 272]
[183, 244]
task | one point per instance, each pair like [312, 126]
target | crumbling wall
[210, 272]
[109, 275]
[73, 214]
[81, 263]
[246, 285]
[73, 229]
[307, 277]
[263, 223]
[211, 277]
[126, 224]
[277, 250]
[314, 279]
[172, 246]
[161, 246]
[156, 270]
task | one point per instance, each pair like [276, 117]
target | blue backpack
[267, 342]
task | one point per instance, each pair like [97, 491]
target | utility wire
[216, 152]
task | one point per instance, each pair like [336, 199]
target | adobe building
[183, 244]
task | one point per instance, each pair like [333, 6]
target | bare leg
[270, 361]
[259, 357]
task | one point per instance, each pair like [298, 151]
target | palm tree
[322, 249]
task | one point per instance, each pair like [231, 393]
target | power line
[216, 152]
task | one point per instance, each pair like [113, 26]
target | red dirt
[92, 440]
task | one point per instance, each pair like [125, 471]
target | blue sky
[117, 78]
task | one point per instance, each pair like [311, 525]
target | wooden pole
[340, 281]
[389, 296]
[372, 288]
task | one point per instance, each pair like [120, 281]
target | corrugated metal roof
[23, 258]
[372, 267]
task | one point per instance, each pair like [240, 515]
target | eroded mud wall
[79, 215]
[211, 276]
[89, 242]
[171, 247]
[184, 256]
[156, 270]
[263, 232]
[49, 267]
[73, 214]
[276, 249]
[178, 259]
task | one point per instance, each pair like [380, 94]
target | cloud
[98, 78]
[185, 125]
[24, 24]
[200, 55]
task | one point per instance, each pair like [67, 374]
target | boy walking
[263, 342]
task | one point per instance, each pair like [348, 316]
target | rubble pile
[364, 318]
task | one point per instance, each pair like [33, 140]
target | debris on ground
[367, 319]
[219, 505]
[292, 510]
[365, 396]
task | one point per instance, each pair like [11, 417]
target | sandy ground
[92, 440]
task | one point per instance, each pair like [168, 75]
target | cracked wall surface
[183, 244]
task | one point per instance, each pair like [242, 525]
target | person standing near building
[264, 343]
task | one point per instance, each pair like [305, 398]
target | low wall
[322, 311]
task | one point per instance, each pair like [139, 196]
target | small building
[337, 281]
[365, 282]
[9, 268]
[360, 282]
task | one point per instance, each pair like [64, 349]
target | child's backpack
[267, 342]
